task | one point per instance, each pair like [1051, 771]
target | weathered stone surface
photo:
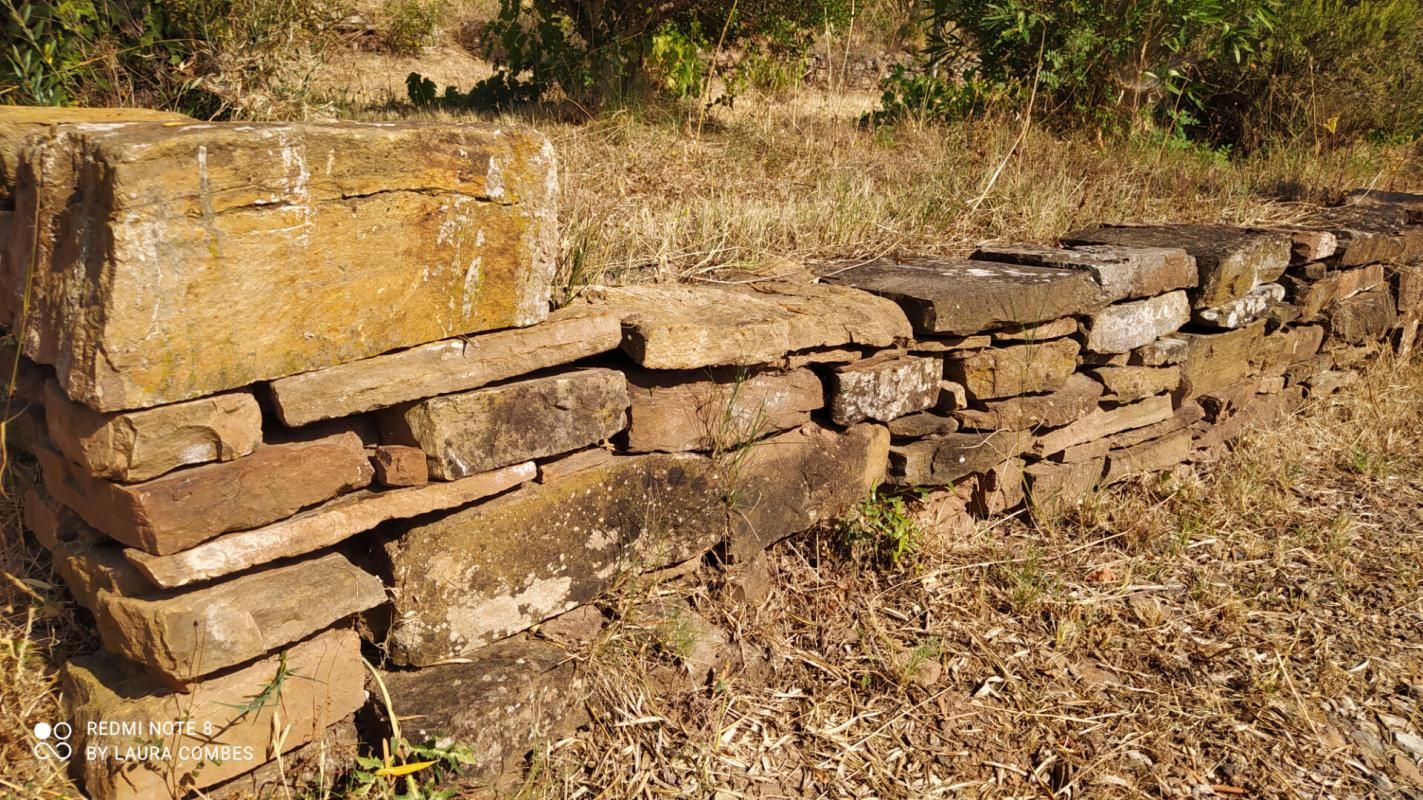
[1123, 272]
[574, 462]
[326, 685]
[679, 411]
[917, 426]
[252, 225]
[453, 365]
[186, 636]
[481, 430]
[1020, 369]
[483, 573]
[89, 568]
[1086, 451]
[1368, 233]
[1126, 326]
[941, 460]
[1272, 385]
[690, 327]
[1163, 352]
[1127, 384]
[400, 465]
[937, 345]
[1103, 423]
[1243, 310]
[1285, 347]
[180, 510]
[1280, 315]
[1407, 283]
[1313, 295]
[1220, 404]
[1331, 381]
[53, 523]
[1373, 197]
[819, 355]
[1302, 372]
[1307, 246]
[1365, 317]
[791, 482]
[952, 396]
[1053, 488]
[137, 445]
[998, 489]
[969, 297]
[1187, 415]
[1216, 360]
[307, 765]
[504, 701]
[1263, 412]
[1152, 456]
[884, 388]
[17, 123]
[1229, 261]
[1039, 332]
[320, 527]
[1077, 397]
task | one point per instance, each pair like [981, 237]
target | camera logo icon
[52, 741]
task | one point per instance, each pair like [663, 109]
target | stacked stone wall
[297, 393]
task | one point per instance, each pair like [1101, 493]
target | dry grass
[1256, 628]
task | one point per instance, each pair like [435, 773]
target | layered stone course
[361, 416]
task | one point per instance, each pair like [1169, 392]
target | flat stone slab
[1372, 197]
[941, 460]
[1152, 456]
[452, 365]
[320, 527]
[1229, 261]
[1216, 360]
[1369, 233]
[1363, 318]
[1036, 332]
[1243, 310]
[967, 297]
[1123, 272]
[1010, 371]
[486, 572]
[503, 701]
[182, 637]
[1128, 384]
[1105, 422]
[88, 568]
[884, 387]
[1053, 487]
[184, 508]
[214, 731]
[132, 446]
[690, 327]
[292, 247]
[1077, 398]
[790, 483]
[1123, 327]
[714, 410]
[481, 430]
[926, 423]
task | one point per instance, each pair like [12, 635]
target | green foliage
[422, 770]
[411, 25]
[923, 97]
[205, 57]
[881, 526]
[676, 60]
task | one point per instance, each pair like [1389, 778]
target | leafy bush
[206, 57]
[411, 25]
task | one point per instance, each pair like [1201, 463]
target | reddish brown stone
[400, 465]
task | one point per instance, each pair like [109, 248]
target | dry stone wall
[297, 393]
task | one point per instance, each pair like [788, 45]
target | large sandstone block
[320, 527]
[503, 701]
[1123, 272]
[1216, 360]
[481, 430]
[130, 446]
[941, 460]
[1369, 233]
[207, 733]
[1020, 369]
[690, 327]
[483, 573]
[884, 387]
[679, 411]
[1229, 261]
[793, 481]
[454, 365]
[18, 123]
[1077, 397]
[1123, 327]
[181, 509]
[181, 260]
[967, 297]
[182, 637]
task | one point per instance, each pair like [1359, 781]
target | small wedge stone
[400, 465]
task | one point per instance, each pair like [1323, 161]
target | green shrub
[411, 25]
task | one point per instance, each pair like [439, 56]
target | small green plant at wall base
[881, 526]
